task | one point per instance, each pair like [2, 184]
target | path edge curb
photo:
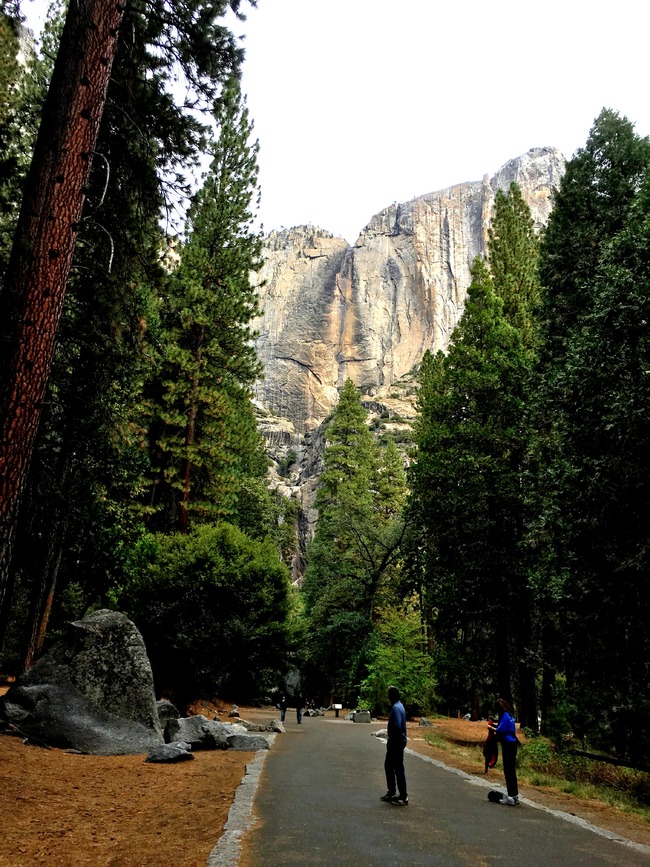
[240, 816]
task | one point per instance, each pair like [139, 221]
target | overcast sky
[360, 103]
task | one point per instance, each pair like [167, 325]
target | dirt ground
[63, 809]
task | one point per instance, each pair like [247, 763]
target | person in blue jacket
[395, 746]
[507, 737]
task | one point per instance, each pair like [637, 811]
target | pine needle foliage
[205, 437]
[513, 261]
[592, 411]
[466, 495]
[354, 556]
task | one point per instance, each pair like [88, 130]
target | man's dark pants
[394, 767]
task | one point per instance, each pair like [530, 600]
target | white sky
[359, 103]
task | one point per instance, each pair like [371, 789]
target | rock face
[93, 691]
[369, 312]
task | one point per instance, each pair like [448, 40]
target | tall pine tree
[467, 507]
[204, 436]
[513, 261]
[590, 207]
[355, 548]
[41, 254]
[592, 409]
[467, 497]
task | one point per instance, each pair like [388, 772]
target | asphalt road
[317, 802]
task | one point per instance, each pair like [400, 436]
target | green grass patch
[438, 741]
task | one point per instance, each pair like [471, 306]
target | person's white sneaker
[508, 800]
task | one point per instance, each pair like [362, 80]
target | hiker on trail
[395, 745]
[299, 704]
[491, 746]
[507, 737]
[283, 707]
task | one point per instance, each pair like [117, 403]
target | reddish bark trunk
[44, 243]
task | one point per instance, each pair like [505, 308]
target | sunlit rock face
[330, 311]
[302, 309]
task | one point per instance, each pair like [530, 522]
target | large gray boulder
[170, 754]
[166, 711]
[205, 734]
[93, 691]
[243, 742]
[199, 732]
[275, 726]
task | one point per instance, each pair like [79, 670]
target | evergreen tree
[466, 497]
[597, 493]
[399, 655]
[355, 547]
[41, 255]
[384, 532]
[608, 588]
[590, 207]
[333, 580]
[390, 484]
[206, 436]
[513, 258]
[513, 261]
[349, 455]
[213, 607]
[591, 468]
[82, 474]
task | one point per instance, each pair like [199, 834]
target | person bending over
[507, 736]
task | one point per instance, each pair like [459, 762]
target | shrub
[284, 465]
[212, 607]
[398, 657]
[538, 755]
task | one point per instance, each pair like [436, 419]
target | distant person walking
[283, 707]
[507, 737]
[395, 745]
[299, 703]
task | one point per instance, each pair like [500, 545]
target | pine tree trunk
[190, 435]
[527, 652]
[44, 243]
[45, 559]
[184, 514]
[40, 613]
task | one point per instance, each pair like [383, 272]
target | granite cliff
[369, 312]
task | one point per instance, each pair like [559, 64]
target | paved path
[318, 803]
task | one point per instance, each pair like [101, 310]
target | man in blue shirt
[395, 745]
